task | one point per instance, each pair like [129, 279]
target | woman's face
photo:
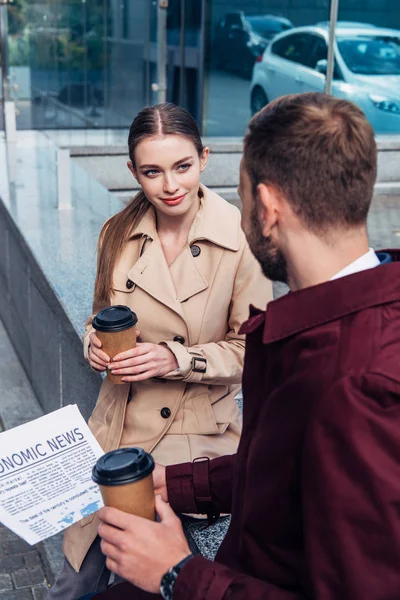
[168, 168]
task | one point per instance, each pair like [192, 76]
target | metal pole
[63, 179]
[331, 49]
[182, 55]
[4, 49]
[161, 85]
[8, 104]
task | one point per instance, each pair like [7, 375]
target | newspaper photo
[45, 474]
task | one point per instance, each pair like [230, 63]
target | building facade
[91, 63]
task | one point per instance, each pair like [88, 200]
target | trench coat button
[179, 338]
[165, 412]
[129, 284]
[195, 250]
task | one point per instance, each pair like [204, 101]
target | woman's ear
[204, 158]
[132, 169]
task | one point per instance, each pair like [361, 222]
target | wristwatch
[168, 580]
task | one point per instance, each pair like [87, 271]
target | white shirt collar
[369, 260]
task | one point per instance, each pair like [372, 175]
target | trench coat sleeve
[351, 499]
[189, 483]
[225, 358]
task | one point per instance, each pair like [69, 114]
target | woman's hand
[98, 359]
[143, 362]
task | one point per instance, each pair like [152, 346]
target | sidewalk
[25, 571]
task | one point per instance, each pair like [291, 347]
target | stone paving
[24, 569]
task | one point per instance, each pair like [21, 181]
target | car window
[371, 54]
[233, 20]
[267, 26]
[294, 47]
[319, 52]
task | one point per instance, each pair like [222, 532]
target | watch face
[167, 585]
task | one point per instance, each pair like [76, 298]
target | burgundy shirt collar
[319, 304]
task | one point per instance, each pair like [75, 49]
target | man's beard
[272, 261]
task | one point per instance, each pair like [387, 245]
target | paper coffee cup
[115, 328]
[126, 482]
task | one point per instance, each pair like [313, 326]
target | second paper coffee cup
[126, 482]
[116, 329]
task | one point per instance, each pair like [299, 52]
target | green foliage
[65, 35]
[16, 17]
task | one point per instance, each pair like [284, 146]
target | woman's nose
[170, 185]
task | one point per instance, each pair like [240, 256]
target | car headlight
[385, 103]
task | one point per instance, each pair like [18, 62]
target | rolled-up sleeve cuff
[180, 488]
[183, 358]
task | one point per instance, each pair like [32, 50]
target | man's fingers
[113, 566]
[109, 550]
[110, 534]
[164, 510]
[117, 518]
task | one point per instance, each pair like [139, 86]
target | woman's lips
[173, 201]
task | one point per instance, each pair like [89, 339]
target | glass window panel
[242, 73]
[368, 54]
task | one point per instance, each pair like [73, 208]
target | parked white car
[367, 70]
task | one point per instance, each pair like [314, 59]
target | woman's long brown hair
[162, 119]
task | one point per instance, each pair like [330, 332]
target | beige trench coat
[196, 307]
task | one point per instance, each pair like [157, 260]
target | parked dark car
[240, 38]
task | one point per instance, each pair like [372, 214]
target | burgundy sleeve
[203, 486]
[351, 500]
[351, 490]
[201, 579]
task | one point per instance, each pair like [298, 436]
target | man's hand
[160, 482]
[139, 550]
[143, 362]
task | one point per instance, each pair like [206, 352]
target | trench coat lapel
[151, 273]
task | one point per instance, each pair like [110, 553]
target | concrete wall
[42, 334]
[108, 165]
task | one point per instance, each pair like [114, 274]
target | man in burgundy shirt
[314, 489]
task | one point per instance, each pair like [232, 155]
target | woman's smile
[175, 200]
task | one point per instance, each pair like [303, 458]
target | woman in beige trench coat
[191, 287]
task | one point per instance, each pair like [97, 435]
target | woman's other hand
[98, 359]
[143, 362]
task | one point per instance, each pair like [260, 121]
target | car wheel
[258, 100]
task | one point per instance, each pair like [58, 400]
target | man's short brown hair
[320, 153]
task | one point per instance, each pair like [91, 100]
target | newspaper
[45, 474]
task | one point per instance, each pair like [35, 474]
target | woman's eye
[151, 172]
[184, 167]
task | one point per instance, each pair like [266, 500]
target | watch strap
[168, 580]
[178, 568]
